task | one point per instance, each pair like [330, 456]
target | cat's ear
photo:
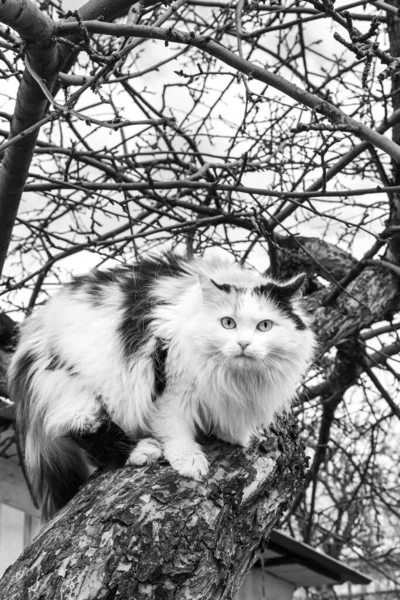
[291, 290]
[206, 285]
[295, 287]
[209, 287]
[204, 279]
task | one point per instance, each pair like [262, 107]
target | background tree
[269, 130]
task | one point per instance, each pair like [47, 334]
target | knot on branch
[335, 116]
[365, 49]
[82, 29]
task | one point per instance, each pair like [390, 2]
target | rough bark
[393, 252]
[150, 534]
[313, 255]
[7, 346]
[30, 107]
[372, 297]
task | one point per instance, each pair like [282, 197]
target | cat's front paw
[187, 459]
[145, 452]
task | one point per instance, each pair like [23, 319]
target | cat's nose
[244, 345]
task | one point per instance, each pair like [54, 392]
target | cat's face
[254, 326]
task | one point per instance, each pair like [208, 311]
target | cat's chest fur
[218, 399]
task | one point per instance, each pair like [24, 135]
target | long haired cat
[170, 347]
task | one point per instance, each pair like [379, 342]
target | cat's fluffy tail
[54, 464]
[56, 469]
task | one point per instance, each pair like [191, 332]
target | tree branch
[32, 25]
[372, 297]
[148, 533]
[323, 107]
[189, 184]
[342, 163]
[7, 346]
[46, 59]
[313, 255]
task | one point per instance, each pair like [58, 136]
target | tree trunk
[150, 534]
[393, 251]
[8, 340]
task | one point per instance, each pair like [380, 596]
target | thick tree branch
[148, 533]
[7, 346]
[46, 59]
[357, 268]
[372, 297]
[393, 251]
[313, 255]
[194, 185]
[26, 19]
[37, 30]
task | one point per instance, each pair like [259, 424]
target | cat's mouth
[244, 355]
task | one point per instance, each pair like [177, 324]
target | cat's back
[84, 302]
[76, 325]
[92, 312]
[111, 311]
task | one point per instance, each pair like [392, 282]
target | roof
[301, 565]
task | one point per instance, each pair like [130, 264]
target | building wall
[16, 530]
[385, 584]
[380, 589]
[259, 585]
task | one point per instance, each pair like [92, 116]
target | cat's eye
[264, 325]
[228, 323]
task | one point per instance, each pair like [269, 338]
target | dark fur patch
[159, 360]
[137, 302]
[60, 477]
[55, 363]
[8, 330]
[224, 287]
[19, 395]
[281, 295]
[108, 446]
[95, 282]
[23, 365]
[228, 288]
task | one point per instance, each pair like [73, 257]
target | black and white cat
[169, 347]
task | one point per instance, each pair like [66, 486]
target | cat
[170, 347]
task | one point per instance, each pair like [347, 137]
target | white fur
[86, 337]
[209, 386]
[146, 451]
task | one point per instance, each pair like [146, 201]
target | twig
[334, 114]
